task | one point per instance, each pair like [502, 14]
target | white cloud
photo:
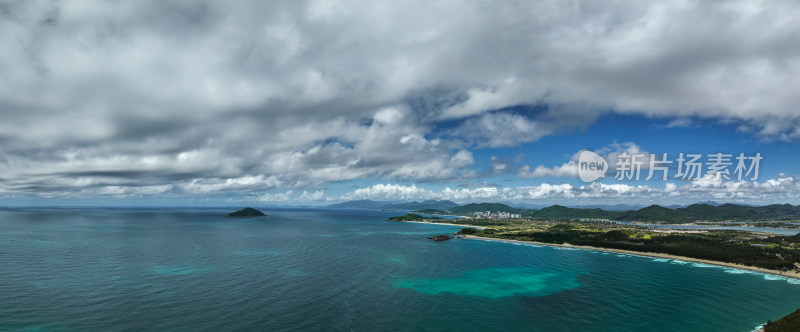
[481, 100]
[708, 180]
[388, 116]
[386, 192]
[610, 153]
[680, 122]
[466, 194]
[782, 189]
[543, 191]
[245, 183]
[461, 158]
[212, 97]
[602, 190]
[569, 169]
[502, 129]
[277, 197]
[318, 195]
[127, 191]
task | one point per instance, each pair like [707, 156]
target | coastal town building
[496, 215]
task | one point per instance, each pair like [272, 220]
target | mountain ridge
[702, 211]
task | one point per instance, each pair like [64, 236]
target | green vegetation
[246, 213]
[563, 213]
[773, 224]
[432, 211]
[481, 207]
[653, 213]
[443, 237]
[790, 323]
[739, 247]
[469, 231]
[707, 212]
[411, 217]
[593, 227]
[650, 214]
[691, 213]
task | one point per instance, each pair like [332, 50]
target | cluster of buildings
[496, 215]
[599, 220]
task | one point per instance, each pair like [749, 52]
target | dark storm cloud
[181, 97]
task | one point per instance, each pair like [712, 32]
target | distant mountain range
[623, 207]
[360, 204]
[654, 213]
[428, 204]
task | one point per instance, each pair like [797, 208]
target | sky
[318, 102]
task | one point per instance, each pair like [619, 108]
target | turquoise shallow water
[191, 269]
[496, 283]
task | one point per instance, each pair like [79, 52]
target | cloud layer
[201, 98]
[778, 190]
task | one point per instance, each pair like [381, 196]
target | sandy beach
[790, 274]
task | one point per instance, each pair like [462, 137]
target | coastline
[789, 274]
[443, 215]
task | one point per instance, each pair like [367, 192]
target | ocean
[101, 269]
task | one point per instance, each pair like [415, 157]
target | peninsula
[789, 323]
[758, 251]
[412, 217]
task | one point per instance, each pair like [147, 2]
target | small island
[442, 237]
[247, 212]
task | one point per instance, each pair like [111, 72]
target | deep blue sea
[101, 269]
